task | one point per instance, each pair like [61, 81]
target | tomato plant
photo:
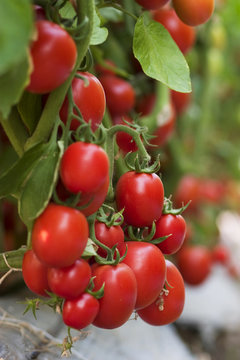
[141, 196]
[59, 235]
[89, 98]
[120, 293]
[170, 302]
[53, 54]
[148, 265]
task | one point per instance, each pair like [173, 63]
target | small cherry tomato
[89, 98]
[120, 293]
[84, 167]
[120, 95]
[182, 34]
[35, 274]
[165, 126]
[220, 254]
[81, 312]
[169, 305]
[148, 264]
[141, 196]
[109, 236]
[173, 225]
[194, 263]
[193, 12]
[180, 101]
[187, 189]
[71, 281]
[53, 54]
[59, 235]
[123, 139]
[152, 4]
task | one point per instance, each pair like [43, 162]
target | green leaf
[30, 108]
[159, 55]
[39, 185]
[12, 180]
[16, 26]
[12, 84]
[99, 34]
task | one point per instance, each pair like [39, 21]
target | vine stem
[12, 259]
[56, 98]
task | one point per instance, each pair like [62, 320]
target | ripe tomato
[174, 225]
[59, 235]
[180, 101]
[90, 99]
[53, 54]
[141, 196]
[120, 95]
[109, 236]
[193, 12]
[84, 167]
[187, 189]
[124, 140]
[148, 265]
[169, 305]
[182, 34]
[71, 281]
[166, 125]
[35, 274]
[194, 263]
[220, 254]
[145, 104]
[102, 70]
[120, 293]
[152, 4]
[81, 312]
[212, 191]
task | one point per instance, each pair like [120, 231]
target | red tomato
[53, 54]
[90, 99]
[145, 104]
[120, 95]
[71, 281]
[182, 34]
[120, 293]
[152, 4]
[59, 235]
[194, 263]
[39, 12]
[174, 225]
[165, 126]
[109, 236]
[124, 140]
[102, 70]
[169, 304]
[141, 196]
[193, 12]
[35, 274]
[180, 101]
[148, 265]
[187, 189]
[84, 167]
[220, 254]
[212, 191]
[81, 312]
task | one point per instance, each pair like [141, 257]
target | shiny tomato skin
[71, 281]
[141, 196]
[120, 95]
[124, 140]
[90, 99]
[148, 264]
[182, 34]
[120, 293]
[84, 167]
[193, 12]
[172, 303]
[53, 54]
[109, 236]
[35, 274]
[80, 312]
[59, 235]
[194, 263]
[180, 101]
[173, 225]
[152, 4]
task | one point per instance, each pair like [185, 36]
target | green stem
[14, 259]
[15, 131]
[120, 8]
[56, 98]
